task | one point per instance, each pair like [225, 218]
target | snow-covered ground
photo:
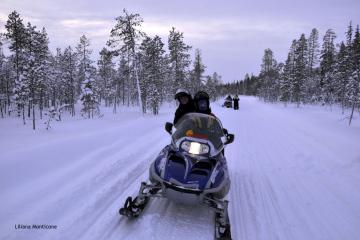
[295, 175]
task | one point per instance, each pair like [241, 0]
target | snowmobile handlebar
[168, 127]
[229, 138]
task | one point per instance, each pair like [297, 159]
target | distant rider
[236, 102]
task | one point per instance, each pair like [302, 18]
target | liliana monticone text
[36, 226]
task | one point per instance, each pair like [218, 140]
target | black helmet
[201, 95]
[202, 102]
[181, 92]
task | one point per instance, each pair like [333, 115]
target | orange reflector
[189, 133]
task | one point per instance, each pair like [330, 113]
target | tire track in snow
[108, 194]
[49, 201]
[295, 194]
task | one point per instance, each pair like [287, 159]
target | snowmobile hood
[190, 172]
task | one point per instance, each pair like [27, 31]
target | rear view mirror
[168, 127]
[229, 138]
[225, 131]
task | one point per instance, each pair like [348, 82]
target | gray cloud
[231, 34]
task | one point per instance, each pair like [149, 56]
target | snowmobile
[191, 170]
[228, 102]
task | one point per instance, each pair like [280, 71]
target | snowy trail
[294, 176]
[291, 177]
[82, 183]
[84, 194]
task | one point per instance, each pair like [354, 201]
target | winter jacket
[184, 109]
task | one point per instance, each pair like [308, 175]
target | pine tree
[84, 62]
[211, 85]
[312, 80]
[300, 70]
[17, 37]
[327, 67]
[168, 84]
[89, 97]
[349, 59]
[354, 81]
[341, 75]
[349, 46]
[68, 70]
[31, 79]
[269, 76]
[123, 38]
[152, 76]
[3, 88]
[43, 54]
[35, 70]
[313, 47]
[179, 60]
[197, 72]
[288, 75]
[123, 78]
[106, 74]
[7, 76]
[55, 79]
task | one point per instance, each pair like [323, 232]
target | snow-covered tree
[341, 75]
[179, 58]
[312, 80]
[17, 36]
[3, 90]
[84, 61]
[288, 75]
[197, 72]
[211, 86]
[15, 33]
[327, 67]
[55, 78]
[349, 60]
[35, 69]
[42, 55]
[123, 79]
[354, 81]
[300, 71]
[313, 47]
[89, 97]
[68, 70]
[152, 73]
[106, 75]
[123, 38]
[269, 75]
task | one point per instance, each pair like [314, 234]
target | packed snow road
[294, 172]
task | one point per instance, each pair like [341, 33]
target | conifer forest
[134, 69]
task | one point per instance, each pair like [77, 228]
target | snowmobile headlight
[195, 147]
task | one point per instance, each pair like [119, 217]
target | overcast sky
[231, 35]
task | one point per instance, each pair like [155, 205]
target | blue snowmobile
[191, 170]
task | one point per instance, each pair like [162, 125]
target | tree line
[328, 74]
[133, 69]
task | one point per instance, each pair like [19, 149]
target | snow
[294, 172]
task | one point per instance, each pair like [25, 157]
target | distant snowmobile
[228, 102]
[191, 170]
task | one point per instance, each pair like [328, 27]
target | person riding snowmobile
[202, 103]
[186, 105]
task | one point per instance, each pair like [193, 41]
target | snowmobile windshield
[201, 127]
